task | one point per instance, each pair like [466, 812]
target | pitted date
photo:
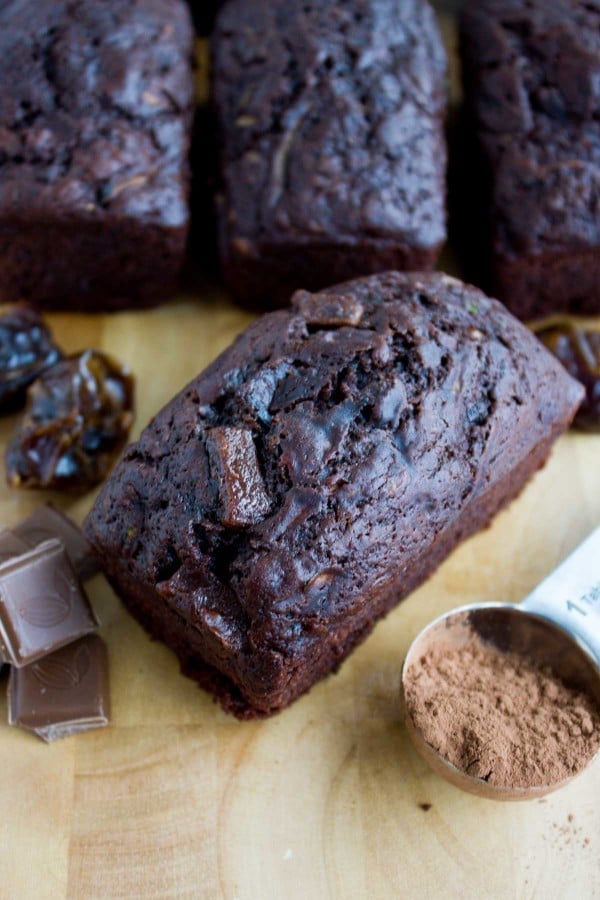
[78, 417]
[26, 349]
[578, 349]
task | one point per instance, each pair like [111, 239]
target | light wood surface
[176, 799]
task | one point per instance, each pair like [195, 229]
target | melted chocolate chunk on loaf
[318, 471]
[333, 154]
[96, 103]
[532, 79]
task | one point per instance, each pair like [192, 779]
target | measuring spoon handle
[570, 596]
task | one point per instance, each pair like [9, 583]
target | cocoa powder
[499, 717]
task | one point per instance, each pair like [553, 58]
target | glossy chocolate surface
[42, 604]
[47, 522]
[65, 693]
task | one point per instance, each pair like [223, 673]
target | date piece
[578, 349]
[26, 349]
[77, 419]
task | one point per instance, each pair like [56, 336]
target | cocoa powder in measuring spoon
[499, 716]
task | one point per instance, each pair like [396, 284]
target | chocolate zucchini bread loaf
[96, 103]
[318, 471]
[333, 154]
[532, 80]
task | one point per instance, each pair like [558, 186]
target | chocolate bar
[42, 604]
[64, 693]
[46, 522]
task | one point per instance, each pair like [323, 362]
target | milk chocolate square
[46, 522]
[64, 693]
[42, 604]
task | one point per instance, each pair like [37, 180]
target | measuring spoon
[557, 625]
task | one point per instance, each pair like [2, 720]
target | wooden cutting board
[176, 799]
[327, 800]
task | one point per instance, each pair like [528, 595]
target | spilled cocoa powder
[499, 717]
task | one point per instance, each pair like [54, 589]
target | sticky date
[77, 418]
[578, 349]
[26, 349]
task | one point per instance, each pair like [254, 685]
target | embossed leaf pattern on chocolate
[52, 606]
[45, 611]
[63, 673]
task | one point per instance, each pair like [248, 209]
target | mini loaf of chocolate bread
[96, 102]
[331, 121]
[532, 76]
[318, 471]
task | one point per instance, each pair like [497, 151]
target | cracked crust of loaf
[96, 103]
[332, 143]
[318, 471]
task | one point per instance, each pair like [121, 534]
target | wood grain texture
[177, 800]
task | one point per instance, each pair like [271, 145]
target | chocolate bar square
[42, 604]
[64, 693]
[45, 523]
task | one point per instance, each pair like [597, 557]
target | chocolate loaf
[318, 471]
[531, 74]
[332, 142]
[96, 103]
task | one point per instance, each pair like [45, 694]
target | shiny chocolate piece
[63, 693]
[323, 309]
[243, 499]
[42, 605]
[46, 523]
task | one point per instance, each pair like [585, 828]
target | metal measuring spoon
[557, 625]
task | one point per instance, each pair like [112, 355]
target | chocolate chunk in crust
[234, 464]
[332, 142]
[96, 103]
[531, 73]
[379, 446]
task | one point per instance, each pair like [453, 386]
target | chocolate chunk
[42, 605]
[26, 349]
[47, 522]
[77, 419]
[243, 499]
[64, 693]
[328, 309]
